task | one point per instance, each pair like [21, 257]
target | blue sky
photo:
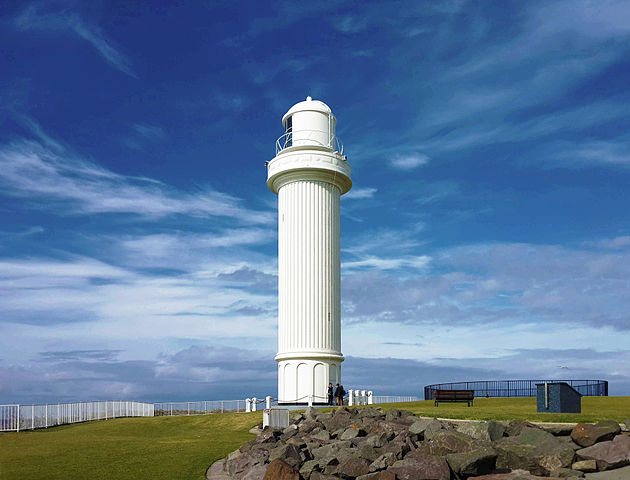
[487, 234]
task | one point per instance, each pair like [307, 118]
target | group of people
[338, 393]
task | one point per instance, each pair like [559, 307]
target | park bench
[454, 396]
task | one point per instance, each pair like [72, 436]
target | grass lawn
[593, 410]
[125, 448]
[183, 447]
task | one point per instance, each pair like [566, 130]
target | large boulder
[216, 471]
[382, 462]
[290, 454]
[353, 467]
[257, 472]
[534, 450]
[476, 462]
[450, 441]
[610, 454]
[280, 470]
[587, 434]
[486, 431]
[428, 467]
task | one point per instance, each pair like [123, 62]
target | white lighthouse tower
[309, 173]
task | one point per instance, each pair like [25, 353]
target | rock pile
[370, 444]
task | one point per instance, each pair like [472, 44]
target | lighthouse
[309, 174]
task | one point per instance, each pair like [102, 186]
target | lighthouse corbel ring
[309, 173]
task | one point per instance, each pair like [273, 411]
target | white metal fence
[394, 399]
[198, 408]
[30, 417]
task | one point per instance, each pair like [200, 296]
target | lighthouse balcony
[309, 139]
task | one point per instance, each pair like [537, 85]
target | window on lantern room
[288, 141]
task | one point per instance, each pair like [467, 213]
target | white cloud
[33, 18]
[360, 193]
[409, 161]
[30, 171]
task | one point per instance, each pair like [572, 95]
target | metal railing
[517, 388]
[286, 140]
[198, 408]
[30, 417]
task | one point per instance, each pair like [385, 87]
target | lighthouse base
[305, 380]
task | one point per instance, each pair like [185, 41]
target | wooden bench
[454, 396]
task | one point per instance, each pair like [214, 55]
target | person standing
[339, 393]
[330, 394]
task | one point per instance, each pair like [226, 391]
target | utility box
[558, 397]
[276, 418]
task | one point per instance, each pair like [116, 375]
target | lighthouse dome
[307, 105]
[309, 123]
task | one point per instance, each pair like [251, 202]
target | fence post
[188, 403]
[268, 402]
[221, 406]
[171, 409]
[370, 399]
[350, 397]
[254, 404]
[46, 417]
[205, 407]
[18, 418]
[32, 417]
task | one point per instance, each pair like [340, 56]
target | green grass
[183, 447]
[125, 448]
[593, 410]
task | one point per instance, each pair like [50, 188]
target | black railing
[517, 388]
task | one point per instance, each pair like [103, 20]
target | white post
[18, 418]
[248, 405]
[253, 404]
[350, 397]
[370, 400]
[205, 407]
[357, 397]
[171, 409]
[310, 400]
[188, 404]
[46, 417]
[268, 402]
[32, 417]
[363, 399]
[221, 406]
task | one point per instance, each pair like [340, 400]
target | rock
[619, 474]
[255, 473]
[513, 475]
[322, 476]
[392, 414]
[477, 462]
[352, 432]
[323, 435]
[290, 454]
[429, 425]
[627, 425]
[558, 429]
[330, 450]
[382, 462]
[587, 434]
[487, 431]
[216, 471]
[369, 453]
[534, 450]
[378, 476]
[515, 427]
[428, 467]
[353, 467]
[567, 473]
[611, 454]
[376, 441]
[308, 467]
[445, 442]
[586, 466]
[280, 470]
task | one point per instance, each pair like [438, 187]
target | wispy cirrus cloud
[58, 18]
[45, 178]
